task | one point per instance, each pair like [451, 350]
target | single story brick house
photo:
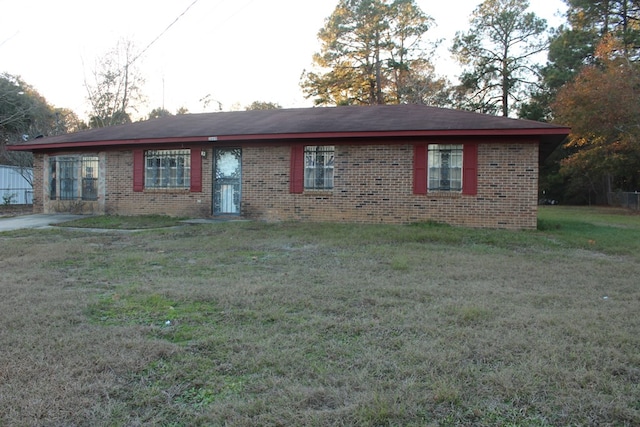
[369, 164]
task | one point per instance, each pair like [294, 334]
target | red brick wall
[38, 179]
[372, 184]
[121, 199]
[115, 191]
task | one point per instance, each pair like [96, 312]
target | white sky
[238, 51]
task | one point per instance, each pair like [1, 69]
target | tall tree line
[591, 82]
[25, 115]
[374, 52]
[378, 52]
[498, 53]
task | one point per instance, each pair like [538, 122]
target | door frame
[214, 182]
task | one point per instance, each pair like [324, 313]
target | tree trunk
[505, 84]
[607, 12]
[379, 97]
[126, 86]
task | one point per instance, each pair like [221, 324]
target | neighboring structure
[15, 185]
[375, 164]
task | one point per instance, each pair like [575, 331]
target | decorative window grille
[167, 169]
[89, 174]
[73, 178]
[318, 167]
[445, 167]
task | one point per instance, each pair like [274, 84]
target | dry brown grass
[299, 324]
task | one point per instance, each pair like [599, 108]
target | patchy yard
[248, 324]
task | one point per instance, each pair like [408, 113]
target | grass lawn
[246, 324]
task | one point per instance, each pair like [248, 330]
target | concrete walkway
[34, 221]
[48, 220]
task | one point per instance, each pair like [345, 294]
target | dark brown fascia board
[532, 132]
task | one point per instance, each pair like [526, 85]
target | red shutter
[296, 183]
[470, 169]
[196, 170]
[138, 170]
[420, 169]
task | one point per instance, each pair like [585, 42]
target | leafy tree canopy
[573, 46]
[498, 52]
[587, 83]
[372, 52]
[159, 112]
[618, 18]
[163, 112]
[602, 106]
[25, 114]
[262, 105]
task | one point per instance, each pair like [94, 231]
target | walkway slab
[34, 221]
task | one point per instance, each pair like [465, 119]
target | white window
[73, 178]
[167, 169]
[318, 167]
[445, 167]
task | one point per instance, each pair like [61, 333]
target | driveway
[34, 221]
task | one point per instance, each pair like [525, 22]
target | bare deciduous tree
[116, 89]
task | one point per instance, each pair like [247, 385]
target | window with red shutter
[179, 169]
[438, 167]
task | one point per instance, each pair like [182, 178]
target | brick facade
[121, 199]
[39, 178]
[372, 184]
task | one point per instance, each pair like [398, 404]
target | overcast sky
[236, 51]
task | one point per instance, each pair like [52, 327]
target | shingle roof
[380, 120]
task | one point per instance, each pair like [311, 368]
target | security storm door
[227, 182]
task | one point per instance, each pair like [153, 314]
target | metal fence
[16, 196]
[626, 200]
[15, 185]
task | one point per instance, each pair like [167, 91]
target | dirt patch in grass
[316, 324]
[118, 222]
